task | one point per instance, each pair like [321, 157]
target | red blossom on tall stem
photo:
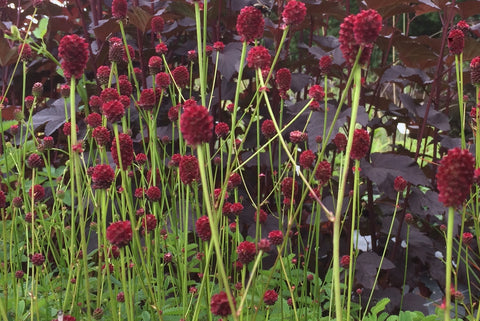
[258, 57]
[119, 233]
[294, 13]
[126, 150]
[455, 177]
[250, 24]
[73, 50]
[361, 144]
[456, 41]
[119, 9]
[196, 125]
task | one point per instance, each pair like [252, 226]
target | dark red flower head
[307, 159]
[283, 79]
[219, 46]
[154, 194]
[455, 177]
[399, 184]
[37, 192]
[289, 187]
[126, 150]
[25, 52]
[345, 261]
[348, 44]
[467, 238]
[181, 76]
[258, 57]
[316, 92]
[103, 74]
[246, 252]
[102, 176]
[148, 99]
[268, 129]
[109, 94]
[261, 215]
[113, 110]
[324, 64]
[73, 50]
[35, 161]
[101, 136]
[119, 9]
[125, 86]
[222, 129]
[323, 172]
[162, 80]
[456, 41]
[120, 233]
[340, 141]
[219, 305]
[276, 237]
[361, 144]
[250, 24]
[294, 13]
[149, 223]
[94, 120]
[202, 226]
[157, 24]
[270, 297]
[3, 199]
[188, 169]
[367, 26]
[37, 259]
[234, 180]
[155, 65]
[475, 71]
[196, 125]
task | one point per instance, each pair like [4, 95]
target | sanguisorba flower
[340, 141]
[250, 24]
[367, 26]
[455, 177]
[294, 13]
[113, 110]
[276, 237]
[283, 79]
[219, 305]
[399, 184]
[360, 144]
[181, 76]
[202, 226]
[475, 71]
[323, 172]
[246, 252]
[289, 187]
[316, 92]
[119, 9]
[101, 135]
[456, 41]
[188, 169]
[73, 50]
[306, 159]
[324, 64]
[157, 25]
[222, 129]
[103, 176]
[270, 297]
[348, 44]
[268, 128]
[120, 233]
[126, 150]
[196, 125]
[258, 57]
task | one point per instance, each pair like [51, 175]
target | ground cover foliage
[237, 159]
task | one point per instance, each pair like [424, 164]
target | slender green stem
[448, 262]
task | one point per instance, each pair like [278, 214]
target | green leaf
[380, 306]
[41, 30]
[146, 316]
[6, 124]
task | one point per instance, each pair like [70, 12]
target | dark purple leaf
[228, 60]
[366, 268]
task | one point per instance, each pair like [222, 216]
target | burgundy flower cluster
[120, 233]
[73, 50]
[357, 31]
[196, 125]
[126, 150]
[250, 24]
[219, 304]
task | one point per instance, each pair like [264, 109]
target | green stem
[448, 262]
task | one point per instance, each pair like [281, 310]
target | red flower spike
[73, 50]
[103, 74]
[157, 25]
[94, 120]
[196, 125]
[109, 94]
[120, 233]
[307, 159]
[155, 65]
[126, 150]
[250, 24]
[323, 172]
[399, 184]
[103, 176]
[38, 192]
[270, 297]
[162, 80]
[246, 252]
[455, 177]
[367, 26]
[276, 237]
[268, 129]
[113, 110]
[475, 71]
[35, 161]
[125, 86]
[154, 194]
[188, 169]
[360, 144]
[149, 223]
[324, 64]
[221, 130]
[289, 187]
[340, 141]
[119, 9]
[25, 52]
[467, 238]
[283, 79]
[258, 57]
[202, 226]
[294, 13]
[456, 41]
[316, 92]
[218, 46]
[101, 136]
[181, 76]
[345, 261]
[348, 45]
[37, 259]
[262, 216]
[219, 305]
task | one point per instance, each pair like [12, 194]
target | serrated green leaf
[380, 306]
[41, 30]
